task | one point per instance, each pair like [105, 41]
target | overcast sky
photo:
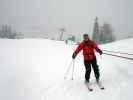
[46, 16]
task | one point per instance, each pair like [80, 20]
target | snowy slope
[34, 70]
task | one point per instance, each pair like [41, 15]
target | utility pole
[62, 30]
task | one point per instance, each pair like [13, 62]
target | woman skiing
[88, 46]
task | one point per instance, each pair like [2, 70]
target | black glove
[74, 55]
[100, 52]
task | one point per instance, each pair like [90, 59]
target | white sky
[47, 16]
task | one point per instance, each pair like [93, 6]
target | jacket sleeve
[79, 48]
[97, 48]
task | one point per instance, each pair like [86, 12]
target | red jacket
[88, 48]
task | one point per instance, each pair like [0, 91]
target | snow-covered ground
[32, 69]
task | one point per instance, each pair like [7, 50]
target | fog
[48, 16]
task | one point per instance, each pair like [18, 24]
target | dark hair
[84, 35]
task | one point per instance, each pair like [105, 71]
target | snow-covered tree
[106, 33]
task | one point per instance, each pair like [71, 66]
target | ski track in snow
[40, 79]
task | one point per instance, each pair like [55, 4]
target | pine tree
[96, 33]
[108, 33]
[102, 38]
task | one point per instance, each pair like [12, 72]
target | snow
[33, 69]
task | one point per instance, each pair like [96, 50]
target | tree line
[6, 31]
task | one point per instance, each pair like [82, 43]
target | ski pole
[72, 70]
[101, 56]
[67, 71]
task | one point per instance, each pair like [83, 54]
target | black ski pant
[95, 67]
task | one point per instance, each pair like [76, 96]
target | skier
[88, 46]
